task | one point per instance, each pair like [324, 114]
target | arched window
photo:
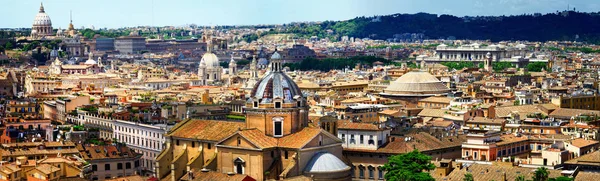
[239, 165]
[361, 171]
[371, 172]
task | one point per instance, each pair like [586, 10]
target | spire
[42, 7]
[71, 16]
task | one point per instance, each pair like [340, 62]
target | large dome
[416, 83]
[42, 19]
[273, 85]
[325, 162]
[263, 61]
[210, 59]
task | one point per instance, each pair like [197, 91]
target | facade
[476, 52]
[111, 161]
[146, 139]
[105, 44]
[66, 105]
[130, 44]
[591, 102]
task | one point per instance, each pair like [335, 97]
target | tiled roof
[436, 113]
[422, 141]
[215, 176]
[445, 100]
[493, 172]
[580, 142]
[347, 124]
[587, 176]
[299, 139]
[510, 138]
[568, 113]
[47, 168]
[205, 129]
[258, 138]
[483, 120]
[106, 152]
[523, 110]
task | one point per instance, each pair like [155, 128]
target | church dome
[90, 62]
[416, 83]
[325, 162]
[42, 19]
[275, 84]
[210, 59]
[263, 61]
[275, 56]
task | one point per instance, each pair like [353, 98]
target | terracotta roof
[47, 168]
[205, 129]
[523, 110]
[436, 113]
[568, 113]
[483, 120]
[493, 172]
[215, 176]
[588, 159]
[445, 100]
[258, 138]
[442, 123]
[347, 124]
[390, 112]
[580, 142]
[587, 176]
[422, 141]
[510, 138]
[300, 138]
[106, 152]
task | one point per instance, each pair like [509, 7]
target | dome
[325, 162]
[275, 56]
[210, 59]
[90, 62]
[42, 19]
[275, 84]
[263, 61]
[417, 83]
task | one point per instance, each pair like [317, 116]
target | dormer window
[277, 105]
[255, 104]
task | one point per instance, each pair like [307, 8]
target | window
[371, 141]
[128, 165]
[380, 173]
[352, 139]
[193, 144]
[94, 167]
[277, 105]
[209, 145]
[343, 137]
[361, 172]
[466, 153]
[277, 126]
[255, 104]
[286, 154]
[119, 166]
[539, 147]
[107, 166]
[177, 143]
[239, 165]
[362, 139]
[371, 172]
[239, 141]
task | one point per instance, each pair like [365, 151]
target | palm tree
[520, 178]
[541, 174]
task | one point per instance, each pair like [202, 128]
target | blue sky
[121, 13]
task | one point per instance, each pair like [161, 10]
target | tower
[488, 62]
[202, 73]
[253, 70]
[232, 66]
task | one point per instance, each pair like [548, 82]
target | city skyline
[234, 12]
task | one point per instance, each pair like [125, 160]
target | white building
[145, 139]
[363, 136]
[209, 70]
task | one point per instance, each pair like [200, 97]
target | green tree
[468, 177]
[520, 178]
[409, 167]
[541, 174]
[9, 46]
[517, 102]
[561, 178]
[536, 66]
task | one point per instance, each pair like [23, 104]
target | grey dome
[210, 59]
[325, 162]
[263, 61]
[273, 85]
[416, 83]
[275, 56]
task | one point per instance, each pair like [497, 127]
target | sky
[128, 13]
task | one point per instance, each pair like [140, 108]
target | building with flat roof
[130, 44]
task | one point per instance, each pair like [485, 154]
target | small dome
[210, 59]
[263, 61]
[325, 162]
[90, 62]
[275, 56]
